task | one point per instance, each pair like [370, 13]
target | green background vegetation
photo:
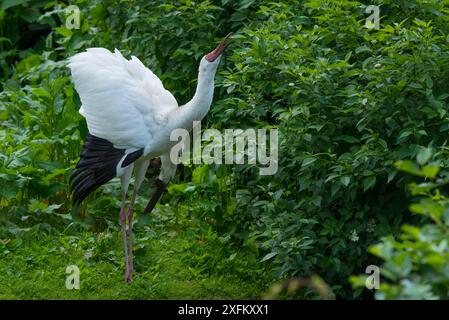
[363, 120]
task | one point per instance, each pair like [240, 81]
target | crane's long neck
[197, 108]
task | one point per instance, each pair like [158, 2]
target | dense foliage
[416, 264]
[349, 102]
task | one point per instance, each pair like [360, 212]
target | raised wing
[99, 163]
[123, 101]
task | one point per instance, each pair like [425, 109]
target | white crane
[129, 117]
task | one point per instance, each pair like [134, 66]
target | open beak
[219, 49]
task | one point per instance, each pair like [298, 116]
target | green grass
[171, 261]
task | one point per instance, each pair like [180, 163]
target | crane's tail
[97, 165]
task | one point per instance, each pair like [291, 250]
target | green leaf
[362, 49]
[6, 4]
[268, 256]
[4, 39]
[409, 166]
[369, 182]
[345, 180]
[428, 207]
[41, 93]
[405, 134]
[349, 139]
[424, 155]
[430, 171]
[64, 31]
[308, 161]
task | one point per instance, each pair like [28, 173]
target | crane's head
[212, 56]
[209, 63]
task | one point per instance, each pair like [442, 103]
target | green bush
[349, 102]
[416, 263]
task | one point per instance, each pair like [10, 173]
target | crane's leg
[123, 225]
[130, 232]
[125, 178]
[168, 170]
[141, 168]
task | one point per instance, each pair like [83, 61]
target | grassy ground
[171, 262]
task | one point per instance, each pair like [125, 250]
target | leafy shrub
[415, 264]
[348, 102]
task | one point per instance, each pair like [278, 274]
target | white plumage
[123, 101]
[130, 116]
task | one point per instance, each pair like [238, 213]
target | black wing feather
[97, 165]
[160, 188]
